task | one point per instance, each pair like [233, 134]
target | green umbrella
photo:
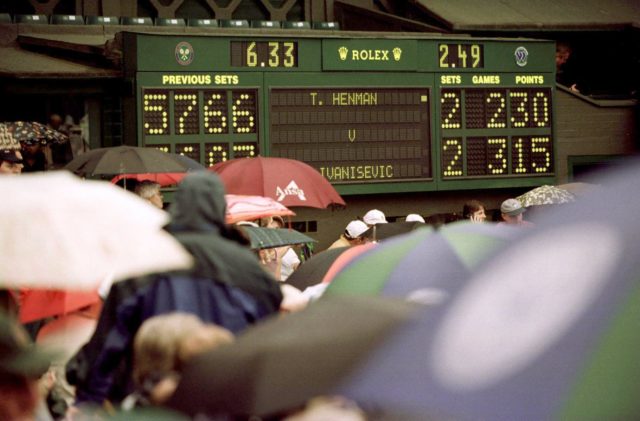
[264, 238]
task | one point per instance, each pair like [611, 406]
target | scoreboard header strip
[344, 54]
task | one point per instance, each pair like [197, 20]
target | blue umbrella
[548, 328]
[422, 263]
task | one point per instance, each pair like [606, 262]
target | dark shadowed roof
[552, 15]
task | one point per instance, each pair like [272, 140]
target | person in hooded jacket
[227, 286]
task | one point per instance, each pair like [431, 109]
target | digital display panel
[264, 54]
[371, 114]
[461, 56]
[354, 134]
[501, 143]
[208, 125]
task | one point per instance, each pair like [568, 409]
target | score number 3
[274, 54]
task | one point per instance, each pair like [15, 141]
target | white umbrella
[59, 231]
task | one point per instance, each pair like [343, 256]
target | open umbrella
[290, 182]
[545, 195]
[547, 329]
[248, 208]
[32, 132]
[7, 141]
[383, 231]
[281, 363]
[61, 232]
[165, 178]
[424, 263]
[38, 304]
[264, 238]
[126, 160]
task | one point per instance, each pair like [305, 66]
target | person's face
[157, 199]
[514, 220]
[479, 215]
[7, 167]
[274, 223]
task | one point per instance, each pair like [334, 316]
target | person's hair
[147, 188]
[155, 347]
[471, 207]
[267, 220]
[164, 343]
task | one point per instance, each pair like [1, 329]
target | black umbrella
[313, 270]
[264, 238]
[281, 363]
[383, 231]
[126, 160]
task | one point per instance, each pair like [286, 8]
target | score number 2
[460, 55]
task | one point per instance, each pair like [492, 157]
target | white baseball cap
[414, 217]
[355, 229]
[374, 216]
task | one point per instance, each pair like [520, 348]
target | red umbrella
[164, 179]
[38, 304]
[248, 208]
[290, 182]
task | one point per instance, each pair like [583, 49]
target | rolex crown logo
[343, 51]
[397, 53]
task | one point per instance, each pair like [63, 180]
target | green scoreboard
[371, 114]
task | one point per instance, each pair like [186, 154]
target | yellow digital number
[499, 99]
[452, 99]
[191, 101]
[475, 55]
[541, 109]
[454, 167]
[500, 164]
[523, 99]
[519, 147]
[154, 110]
[215, 118]
[444, 53]
[252, 55]
[289, 59]
[242, 119]
[274, 60]
[539, 147]
[462, 54]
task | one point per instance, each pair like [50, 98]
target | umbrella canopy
[61, 232]
[248, 208]
[126, 160]
[38, 304]
[383, 231]
[424, 262]
[264, 238]
[545, 195]
[290, 182]
[168, 178]
[547, 329]
[322, 267]
[7, 141]
[32, 132]
[281, 363]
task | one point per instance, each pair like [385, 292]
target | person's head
[55, 121]
[21, 365]
[474, 209]
[414, 217]
[354, 233]
[512, 210]
[563, 52]
[272, 222]
[11, 162]
[373, 217]
[164, 343]
[150, 190]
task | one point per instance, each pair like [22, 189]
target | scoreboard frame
[382, 93]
